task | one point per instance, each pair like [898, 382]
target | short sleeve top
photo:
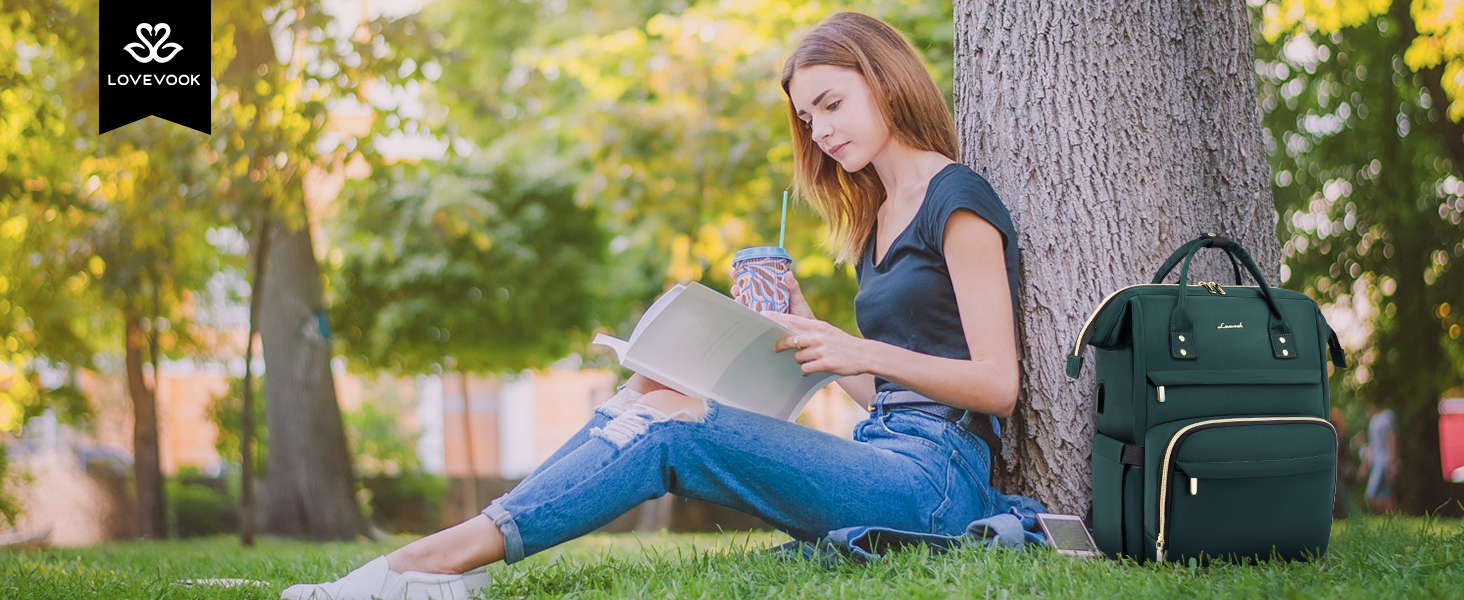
[908, 300]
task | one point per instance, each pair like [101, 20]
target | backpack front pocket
[1179, 395]
[1246, 487]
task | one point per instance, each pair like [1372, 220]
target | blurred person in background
[1380, 464]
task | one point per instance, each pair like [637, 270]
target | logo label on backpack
[1235, 326]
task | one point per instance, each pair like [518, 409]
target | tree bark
[1113, 133]
[470, 491]
[146, 464]
[311, 488]
[247, 508]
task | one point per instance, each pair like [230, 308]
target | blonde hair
[903, 93]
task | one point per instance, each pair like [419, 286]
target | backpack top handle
[1221, 242]
[1182, 343]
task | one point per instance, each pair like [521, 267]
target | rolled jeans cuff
[513, 542]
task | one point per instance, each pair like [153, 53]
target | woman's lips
[838, 149]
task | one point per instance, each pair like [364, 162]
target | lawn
[1376, 558]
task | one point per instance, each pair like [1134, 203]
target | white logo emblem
[161, 30]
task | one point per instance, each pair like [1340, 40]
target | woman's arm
[989, 381]
[979, 385]
[860, 388]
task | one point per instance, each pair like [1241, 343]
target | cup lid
[761, 252]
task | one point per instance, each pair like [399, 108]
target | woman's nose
[821, 130]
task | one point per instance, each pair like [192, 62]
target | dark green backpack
[1213, 439]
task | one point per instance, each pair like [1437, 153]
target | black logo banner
[154, 60]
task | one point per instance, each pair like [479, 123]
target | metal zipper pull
[1218, 288]
[1159, 549]
[1194, 486]
[1161, 394]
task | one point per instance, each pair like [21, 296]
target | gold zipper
[1078, 345]
[1169, 450]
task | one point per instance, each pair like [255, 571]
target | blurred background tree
[672, 113]
[149, 234]
[46, 306]
[102, 236]
[1362, 112]
[492, 265]
[94, 224]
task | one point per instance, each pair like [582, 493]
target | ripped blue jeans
[904, 470]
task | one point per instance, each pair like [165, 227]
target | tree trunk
[247, 508]
[146, 466]
[311, 489]
[470, 491]
[1113, 133]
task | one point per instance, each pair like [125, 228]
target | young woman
[936, 261]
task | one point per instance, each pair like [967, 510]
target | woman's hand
[821, 347]
[797, 304]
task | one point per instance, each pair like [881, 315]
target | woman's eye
[834, 105]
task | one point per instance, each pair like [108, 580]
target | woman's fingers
[787, 341]
[792, 343]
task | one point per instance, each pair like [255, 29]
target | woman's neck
[904, 170]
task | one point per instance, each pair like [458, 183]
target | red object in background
[1451, 438]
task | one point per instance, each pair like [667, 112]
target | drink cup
[758, 273]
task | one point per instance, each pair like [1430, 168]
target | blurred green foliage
[226, 413]
[671, 119]
[489, 266]
[200, 506]
[407, 503]
[1367, 164]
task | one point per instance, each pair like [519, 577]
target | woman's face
[838, 110]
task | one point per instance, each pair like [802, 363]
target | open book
[701, 343]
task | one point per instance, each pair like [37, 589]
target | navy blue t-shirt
[907, 300]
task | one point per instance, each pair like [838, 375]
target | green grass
[1377, 558]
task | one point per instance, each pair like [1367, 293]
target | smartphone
[1068, 534]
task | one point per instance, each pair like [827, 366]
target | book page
[723, 351]
[655, 309]
[696, 337]
[618, 345]
[771, 383]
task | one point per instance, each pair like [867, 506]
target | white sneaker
[375, 580]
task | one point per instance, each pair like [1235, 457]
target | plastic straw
[782, 226]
